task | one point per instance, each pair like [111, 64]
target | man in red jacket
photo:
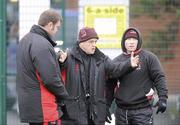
[38, 75]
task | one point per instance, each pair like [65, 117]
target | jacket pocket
[72, 109]
[77, 110]
[100, 109]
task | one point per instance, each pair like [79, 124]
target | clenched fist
[63, 55]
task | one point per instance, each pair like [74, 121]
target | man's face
[54, 28]
[131, 44]
[88, 46]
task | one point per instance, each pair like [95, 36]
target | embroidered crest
[83, 33]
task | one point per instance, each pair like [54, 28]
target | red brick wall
[171, 67]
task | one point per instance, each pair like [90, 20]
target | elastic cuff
[163, 100]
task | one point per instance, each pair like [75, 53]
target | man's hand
[161, 104]
[63, 55]
[108, 115]
[65, 114]
[134, 60]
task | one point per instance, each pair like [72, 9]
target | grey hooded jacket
[134, 86]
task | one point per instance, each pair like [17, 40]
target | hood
[139, 39]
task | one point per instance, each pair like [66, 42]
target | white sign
[107, 27]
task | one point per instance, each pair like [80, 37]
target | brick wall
[172, 66]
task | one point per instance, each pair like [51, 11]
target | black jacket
[73, 72]
[38, 77]
[133, 87]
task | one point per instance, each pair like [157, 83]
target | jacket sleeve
[110, 89]
[47, 67]
[118, 68]
[157, 75]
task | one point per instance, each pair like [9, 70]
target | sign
[110, 21]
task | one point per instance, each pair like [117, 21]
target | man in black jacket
[134, 91]
[84, 72]
[38, 75]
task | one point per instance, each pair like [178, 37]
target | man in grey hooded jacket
[134, 92]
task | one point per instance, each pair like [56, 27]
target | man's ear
[50, 25]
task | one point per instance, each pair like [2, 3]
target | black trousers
[69, 122]
[49, 123]
[143, 116]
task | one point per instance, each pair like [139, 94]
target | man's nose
[94, 43]
[131, 42]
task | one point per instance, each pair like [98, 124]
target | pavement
[13, 118]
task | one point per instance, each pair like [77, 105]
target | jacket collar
[39, 30]
[135, 52]
[98, 55]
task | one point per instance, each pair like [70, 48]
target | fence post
[63, 4]
[3, 62]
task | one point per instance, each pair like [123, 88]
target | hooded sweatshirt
[132, 91]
